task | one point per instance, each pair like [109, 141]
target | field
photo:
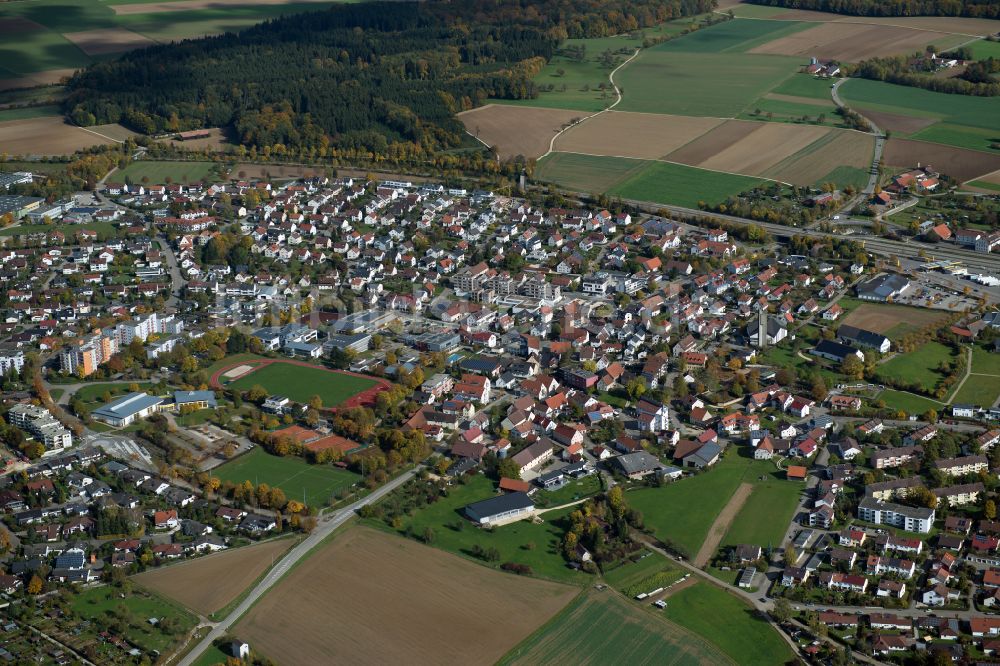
[299, 383]
[775, 498]
[603, 628]
[443, 516]
[983, 49]
[729, 623]
[209, 583]
[158, 173]
[27, 112]
[966, 121]
[313, 484]
[959, 163]
[981, 390]
[102, 228]
[917, 367]
[682, 513]
[630, 574]
[664, 182]
[99, 603]
[907, 402]
[48, 135]
[890, 320]
[722, 524]
[409, 606]
[852, 42]
[587, 173]
[108, 40]
[720, 85]
[514, 131]
[639, 135]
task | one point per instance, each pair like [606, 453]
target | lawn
[985, 48]
[909, 403]
[981, 390]
[720, 85]
[587, 173]
[213, 656]
[729, 623]
[99, 603]
[145, 171]
[634, 572]
[775, 498]
[299, 383]
[524, 542]
[314, 484]
[682, 512]
[664, 182]
[572, 491]
[984, 361]
[843, 176]
[917, 367]
[95, 392]
[601, 627]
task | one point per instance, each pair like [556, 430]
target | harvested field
[721, 524]
[517, 130]
[217, 140]
[45, 78]
[108, 40]
[209, 583]
[274, 171]
[838, 148]
[883, 318]
[897, 123]
[959, 163]
[114, 132]
[46, 136]
[642, 135]
[408, 607]
[992, 178]
[707, 145]
[852, 42]
[14, 25]
[763, 148]
[955, 25]
[190, 5]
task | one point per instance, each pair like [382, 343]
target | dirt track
[375, 598]
[721, 525]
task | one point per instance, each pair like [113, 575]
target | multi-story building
[11, 358]
[42, 425]
[962, 465]
[911, 519]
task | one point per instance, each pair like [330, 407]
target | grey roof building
[501, 509]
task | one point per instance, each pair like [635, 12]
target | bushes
[515, 567]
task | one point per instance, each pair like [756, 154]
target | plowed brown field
[375, 598]
[958, 163]
[850, 42]
[643, 135]
[517, 130]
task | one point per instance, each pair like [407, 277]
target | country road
[325, 527]
[879, 140]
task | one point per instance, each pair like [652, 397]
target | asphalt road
[325, 527]
[879, 140]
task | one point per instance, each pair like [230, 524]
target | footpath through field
[722, 523]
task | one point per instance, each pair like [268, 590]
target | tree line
[384, 78]
[977, 79]
[972, 8]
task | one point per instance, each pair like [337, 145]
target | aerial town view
[469, 332]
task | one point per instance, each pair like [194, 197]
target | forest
[386, 78]
[971, 8]
[976, 78]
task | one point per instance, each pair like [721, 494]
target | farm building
[501, 509]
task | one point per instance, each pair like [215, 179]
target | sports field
[601, 627]
[372, 597]
[315, 484]
[729, 623]
[300, 383]
[158, 173]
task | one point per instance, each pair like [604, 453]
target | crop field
[665, 182]
[544, 555]
[839, 156]
[24, 113]
[767, 145]
[587, 173]
[970, 27]
[853, 42]
[683, 512]
[729, 623]
[638, 135]
[411, 604]
[917, 367]
[207, 584]
[983, 49]
[732, 37]
[517, 130]
[884, 318]
[48, 135]
[299, 383]
[720, 85]
[627, 575]
[958, 163]
[627, 634]
[158, 173]
[314, 484]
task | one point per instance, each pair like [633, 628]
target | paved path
[968, 371]
[879, 140]
[324, 529]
